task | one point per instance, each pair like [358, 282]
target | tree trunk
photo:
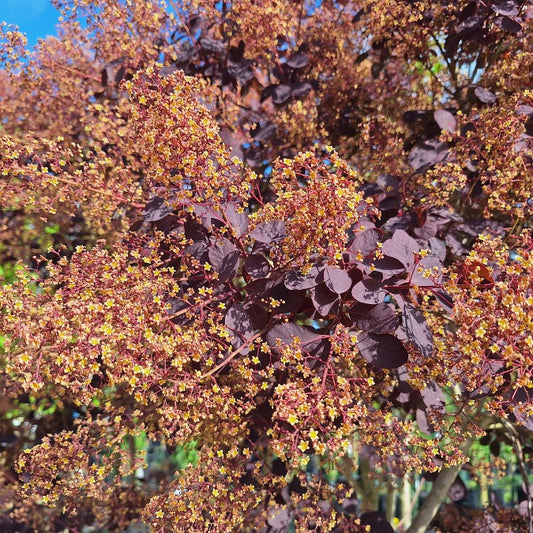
[438, 493]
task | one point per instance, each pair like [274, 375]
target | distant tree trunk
[437, 495]
[390, 506]
[369, 487]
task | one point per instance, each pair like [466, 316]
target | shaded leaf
[379, 318]
[263, 133]
[401, 247]
[219, 250]
[309, 341]
[323, 299]
[364, 242]
[427, 153]
[377, 521]
[298, 61]
[382, 351]
[238, 321]
[301, 89]
[237, 220]
[268, 232]
[156, 209]
[369, 291]
[281, 93]
[256, 266]
[337, 280]
[297, 281]
[417, 329]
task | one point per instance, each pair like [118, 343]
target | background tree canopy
[266, 266]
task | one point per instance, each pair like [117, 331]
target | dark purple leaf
[337, 280]
[423, 423]
[258, 315]
[309, 341]
[298, 61]
[279, 520]
[268, 232]
[323, 299]
[382, 351]
[281, 93]
[433, 397]
[417, 329]
[458, 490]
[377, 521]
[364, 242]
[369, 291]
[219, 250]
[427, 153]
[229, 266]
[445, 120]
[156, 209]
[484, 95]
[401, 247]
[263, 133]
[510, 25]
[237, 220]
[238, 321]
[505, 7]
[300, 89]
[257, 266]
[470, 24]
[297, 281]
[425, 267]
[379, 318]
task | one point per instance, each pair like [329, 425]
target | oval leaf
[369, 291]
[337, 280]
[382, 351]
[445, 120]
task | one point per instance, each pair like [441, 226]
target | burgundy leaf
[377, 521]
[300, 89]
[156, 209]
[505, 7]
[298, 61]
[281, 93]
[297, 281]
[382, 351]
[510, 25]
[257, 266]
[312, 343]
[445, 120]
[484, 95]
[237, 220]
[379, 318]
[401, 247]
[219, 250]
[369, 291]
[427, 153]
[262, 134]
[323, 299]
[365, 242]
[229, 266]
[418, 276]
[417, 329]
[337, 280]
[433, 397]
[238, 321]
[268, 232]
[424, 424]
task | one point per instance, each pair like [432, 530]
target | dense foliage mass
[292, 238]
